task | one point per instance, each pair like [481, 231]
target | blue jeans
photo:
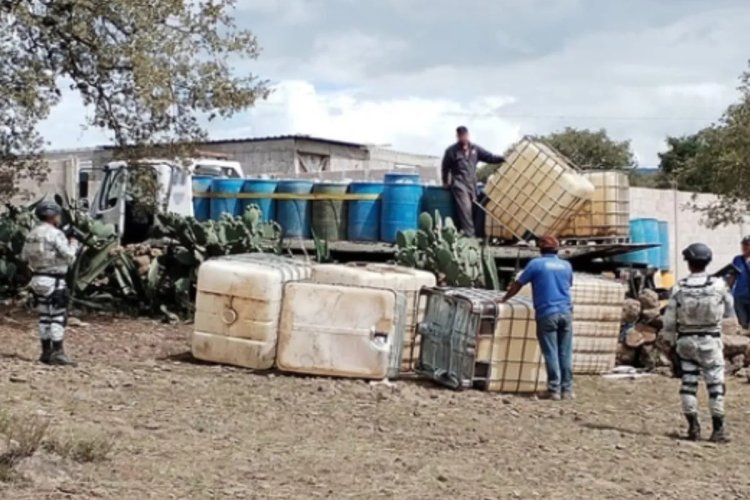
[742, 308]
[555, 335]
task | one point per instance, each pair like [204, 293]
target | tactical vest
[700, 307]
[40, 250]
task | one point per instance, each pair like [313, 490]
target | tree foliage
[725, 160]
[149, 72]
[592, 149]
[685, 165]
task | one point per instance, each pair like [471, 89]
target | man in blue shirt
[741, 284]
[551, 279]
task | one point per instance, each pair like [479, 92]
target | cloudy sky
[406, 72]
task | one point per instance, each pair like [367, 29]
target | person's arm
[487, 157]
[728, 305]
[523, 279]
[669, 329]
[512, 291]
[446, 167]
[66, 249]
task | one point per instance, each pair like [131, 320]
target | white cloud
[409, 123]
[406, 72]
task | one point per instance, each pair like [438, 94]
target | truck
[121, 194]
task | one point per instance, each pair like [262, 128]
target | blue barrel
[402, 199]
[644, 231]
[294, 216]
[440, 199]
[363, 221]
[201, 205]
[664, 240]
[229, 204]
[479, 215]
[267, 204]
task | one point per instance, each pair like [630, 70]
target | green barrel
[329, 216]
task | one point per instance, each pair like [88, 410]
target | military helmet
[46, 209]
[698, 253]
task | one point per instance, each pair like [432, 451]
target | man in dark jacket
[459, 173]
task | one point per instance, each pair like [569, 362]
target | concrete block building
[78, 171]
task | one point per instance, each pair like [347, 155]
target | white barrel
[534, 194]
[607, 214]
[397, 278]
[237, 308]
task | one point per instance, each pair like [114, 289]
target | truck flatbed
[380, 251]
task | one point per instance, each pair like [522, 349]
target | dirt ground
[187, 430]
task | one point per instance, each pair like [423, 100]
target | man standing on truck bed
[459, 173]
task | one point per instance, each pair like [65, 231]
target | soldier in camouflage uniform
[49, 253]
[692, 326]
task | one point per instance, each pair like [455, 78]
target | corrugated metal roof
[288, 137]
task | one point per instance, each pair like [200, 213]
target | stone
[631, 311]
[649, 300]
[730, 326]
[734, 345]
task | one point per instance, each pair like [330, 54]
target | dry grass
[82, 448]
[23, 437]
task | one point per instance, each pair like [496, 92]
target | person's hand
[72, 240]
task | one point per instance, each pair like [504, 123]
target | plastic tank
[469, 340]
[644, 231]
[227, 201]
[664, 250]
[364, 215]
[607, 214]
[259, 188]
[402, 196]
[237, 307]
[536, 192]
[294, 214]
[440, 199]
[404, 280]
[597, 310]
[329, 216]
[201, 202]
[340, 331]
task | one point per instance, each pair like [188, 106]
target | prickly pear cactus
[439, 247]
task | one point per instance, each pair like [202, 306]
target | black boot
[719, 434]
[46, 351]
[58, 356]
[694, 427]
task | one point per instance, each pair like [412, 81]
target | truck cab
[130, 194]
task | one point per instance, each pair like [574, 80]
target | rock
[631, 311]
[735, 345]
[649, 300]
[17, 379]
[730, 326]
[625, 355]
[736, 364]
[75, 322]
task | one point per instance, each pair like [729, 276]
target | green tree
[726, 160]
[149, 71]
[683, 164]
[592, 149]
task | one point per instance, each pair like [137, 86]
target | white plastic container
[607, 214]
[237, 308]
[535, 193]
[597, 310]
[341, 331]
[397, 278]
[471, 341]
